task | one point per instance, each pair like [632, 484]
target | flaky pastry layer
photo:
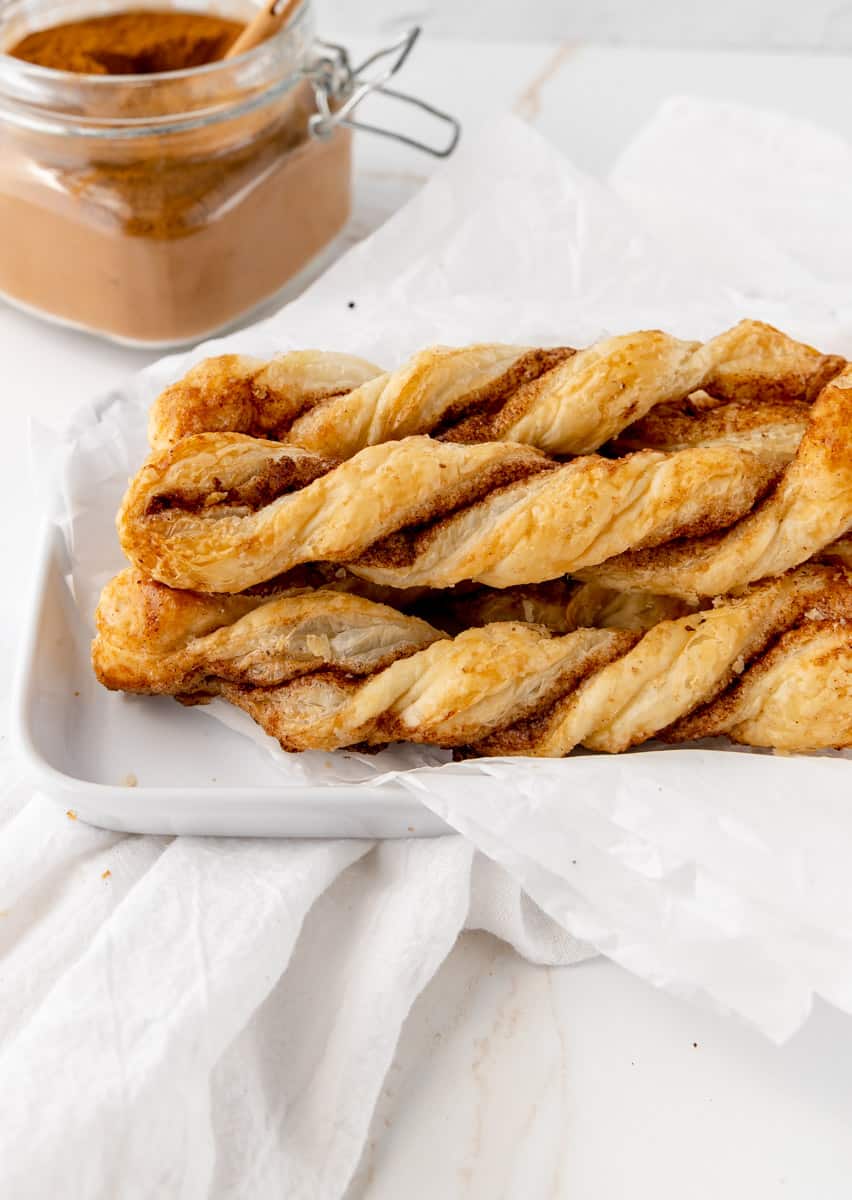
[808, 510]
[153, 638]
[224, 512]
[559, 400]
[239, 393]
[772, 667]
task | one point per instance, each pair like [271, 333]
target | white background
[758, 24]
[639, 1095]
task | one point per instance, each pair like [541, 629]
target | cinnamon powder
[130, 43]
[166, 237]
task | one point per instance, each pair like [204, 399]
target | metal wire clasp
[339, 89]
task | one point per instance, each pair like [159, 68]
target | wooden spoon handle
[268, 20]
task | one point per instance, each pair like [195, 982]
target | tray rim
[96, 802]
[333, 810]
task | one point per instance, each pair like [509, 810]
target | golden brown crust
[247, 395]
[479, 682]
[559, 400]
[682, 665]
[326, 670]
[152, 639]
[803, 683]
[555, 524]
[497, 513]
[808, 510]
[755, 477]
[754, 362]
[429, 394]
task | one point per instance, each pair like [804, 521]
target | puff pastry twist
[223, 512]
[561, 401]
[809, 509]
[153, 638]
[772, 667]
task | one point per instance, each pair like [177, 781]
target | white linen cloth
[198, 1017]
[214, 1018]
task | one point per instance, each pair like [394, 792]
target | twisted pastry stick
[496, 689]
[459, 690]
[237, 392]
[315, 671]
[218, 512]
[802, 683]
[561, 401]
[153, 639]
[681, 665]
[810, 508]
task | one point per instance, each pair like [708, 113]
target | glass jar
[158, 209]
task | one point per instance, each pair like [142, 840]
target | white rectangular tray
[143, 764]
[86, 747]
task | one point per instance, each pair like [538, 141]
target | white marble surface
[584, 1084]
[510, 1080]
[818, 25]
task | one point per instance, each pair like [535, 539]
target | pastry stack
[503, 550]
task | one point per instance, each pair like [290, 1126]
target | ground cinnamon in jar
[196, 197]
[142, 42]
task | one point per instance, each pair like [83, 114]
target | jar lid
[131, 106]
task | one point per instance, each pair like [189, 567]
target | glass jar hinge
[339, 89]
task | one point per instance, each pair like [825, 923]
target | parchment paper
[713, 873]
